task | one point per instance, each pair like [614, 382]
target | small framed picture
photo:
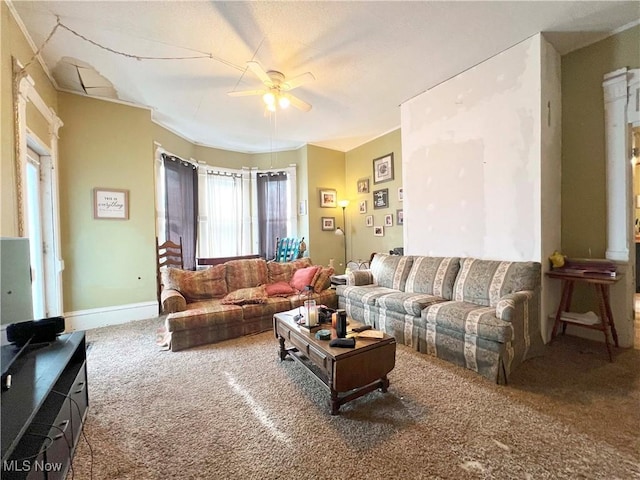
[369, 221]
[388, 220]
[400, 217]
[381, 198]
[400, 194]
[378, 231]
[328, 198]
[383, 169]
[328, 223]
[362, 206]
[110, 203]
[363, 185]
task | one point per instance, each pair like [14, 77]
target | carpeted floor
[234, 411]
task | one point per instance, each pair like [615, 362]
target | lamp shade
[339, 231]
[343, 203]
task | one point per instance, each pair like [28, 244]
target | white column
[618, 168]
[54, 280]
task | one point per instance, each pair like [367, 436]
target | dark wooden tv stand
[44, 409]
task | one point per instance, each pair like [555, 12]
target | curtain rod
[173, 158]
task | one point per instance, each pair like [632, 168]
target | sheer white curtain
[224, 221]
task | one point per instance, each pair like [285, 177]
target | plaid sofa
[199, 309]
[479, 314]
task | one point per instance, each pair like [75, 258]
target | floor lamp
[343, 231]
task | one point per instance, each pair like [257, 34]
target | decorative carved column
[22, 84]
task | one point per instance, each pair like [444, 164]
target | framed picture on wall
[383, 169]
[369, 221]
[328, 198]
[363, 185]
[400, 194]
[381, 198]
[362, 206]
[378, 231]
[328, 223]
[388, 220]
[110, 203]
[400, 217]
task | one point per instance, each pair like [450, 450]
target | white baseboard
[103, 317]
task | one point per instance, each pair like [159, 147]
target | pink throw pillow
[303, 277]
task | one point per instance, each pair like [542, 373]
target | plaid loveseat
[479, 314]
[234, 299]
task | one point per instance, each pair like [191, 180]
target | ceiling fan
[277, 88]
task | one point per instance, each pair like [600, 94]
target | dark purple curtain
[272, 211]
[181, 207]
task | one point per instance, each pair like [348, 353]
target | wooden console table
[220, 260]
[601, 283]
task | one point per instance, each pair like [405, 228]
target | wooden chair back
[168, 254]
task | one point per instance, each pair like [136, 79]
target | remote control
[343, 342]
[362, 328]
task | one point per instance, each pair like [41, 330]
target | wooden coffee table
[348, 373]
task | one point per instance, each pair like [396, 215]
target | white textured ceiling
[367, 57]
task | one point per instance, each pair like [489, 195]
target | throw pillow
[196, 285]
[323, 279]
[283, 271]
[279, 289]
[303, 277]
[280, 272]
[245, 296]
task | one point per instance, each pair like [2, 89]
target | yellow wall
[13, 44]
[172, 143]
[266, 161]
[361, 241]
[325, 171]
[108, 145]
[583, 150]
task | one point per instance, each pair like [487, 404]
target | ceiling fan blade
[256, 68]
[297, 81]
[245, 93]
[299, 104]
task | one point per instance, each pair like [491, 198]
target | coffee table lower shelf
[336, 398]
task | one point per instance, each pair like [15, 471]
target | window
[239, 211]
[224, 223]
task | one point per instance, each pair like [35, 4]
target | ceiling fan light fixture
[284, 101]
[276, 95]
[269, 98]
